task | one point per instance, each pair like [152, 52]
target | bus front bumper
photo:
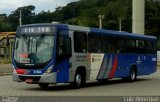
[35, 79]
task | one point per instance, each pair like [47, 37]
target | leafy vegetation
[85, 13]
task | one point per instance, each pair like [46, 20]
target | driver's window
[60, 50]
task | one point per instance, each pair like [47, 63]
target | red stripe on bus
[114, 67]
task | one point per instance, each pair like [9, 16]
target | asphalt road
[145, 86]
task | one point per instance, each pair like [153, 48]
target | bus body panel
[119, 65]
[77, 59]
[62, 66]
[63, 71]
[97, 65]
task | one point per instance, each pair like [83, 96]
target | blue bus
[60, 53]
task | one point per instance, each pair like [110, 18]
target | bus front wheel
[79, 80]
[133, 74]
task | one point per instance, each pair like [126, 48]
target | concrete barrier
[5, 69]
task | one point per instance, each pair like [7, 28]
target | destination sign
[37, 30]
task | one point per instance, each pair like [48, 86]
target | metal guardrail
[6, 46]
[6, 34]
[5, 61]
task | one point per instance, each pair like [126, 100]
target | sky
[7, 6]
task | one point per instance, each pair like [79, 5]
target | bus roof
[121, 33]
[108, 32]
[95, 30]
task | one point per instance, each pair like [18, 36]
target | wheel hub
[133, 75]
[78, 79]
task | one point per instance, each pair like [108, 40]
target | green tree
[27, 14]
[43, 17]
[152, 17]
[4, 23]
[85, 13]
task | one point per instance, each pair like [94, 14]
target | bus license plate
[29, 81]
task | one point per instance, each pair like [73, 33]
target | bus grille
[35, 78]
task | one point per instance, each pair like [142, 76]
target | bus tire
[133, 74]
[43, 85]
[79, 80]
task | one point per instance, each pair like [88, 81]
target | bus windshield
[33, 50]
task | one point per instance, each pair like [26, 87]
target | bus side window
[63, 47]
[111, 44]
[94, 43]
[120, 45]
[67, 47]
[148, 46]
[153, 47]
[131, 45]
[141, 47]
[60, 50]
[80, 42]
[104, 44]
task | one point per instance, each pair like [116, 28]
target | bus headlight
[49, 70]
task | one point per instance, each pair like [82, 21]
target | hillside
[85, 13]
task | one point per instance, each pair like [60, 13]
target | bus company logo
[37, 72]
[139, 60]
[96, 58]
[9, 99]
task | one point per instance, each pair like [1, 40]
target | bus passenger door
[63, 55]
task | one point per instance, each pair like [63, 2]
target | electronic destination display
[41, 29]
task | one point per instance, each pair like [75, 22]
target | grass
[5, 61]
